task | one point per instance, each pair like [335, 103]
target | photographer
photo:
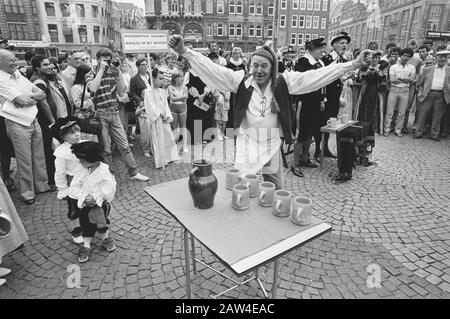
[105, 83]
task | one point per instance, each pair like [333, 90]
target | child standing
[93, 187]
[144, 126]
[67, 131]
[178, 94]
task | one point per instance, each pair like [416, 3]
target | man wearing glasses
[74, 60]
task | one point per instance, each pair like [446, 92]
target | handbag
[89, 122]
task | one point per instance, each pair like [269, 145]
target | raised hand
[363, 59]
[177, 44]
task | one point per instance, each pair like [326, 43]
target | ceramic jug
[203, 184]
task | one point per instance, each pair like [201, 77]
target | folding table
[242, 240]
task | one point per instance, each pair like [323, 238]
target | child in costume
[93, 187]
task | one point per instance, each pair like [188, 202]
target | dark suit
[137, 86]
[431, 101]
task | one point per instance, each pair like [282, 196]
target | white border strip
[264, 255]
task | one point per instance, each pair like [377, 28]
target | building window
[283, 5]
[259, 31]
[307, 37]
[231, 30]
[17, 31]
[259, 9]
[81, 13]
[300, 39]
[68, 33]
[50, 9]
[187, 6]
[270, 10]
[310, 4]
[239, 30]
[220, 6]
[164, 6]
[316, 22]
[251, 8]
[302, 7]
[16, 6]
[33, 7]
[175, 7]
[209, 6]
[308, 22]
[251, 30]
[53, 31]
[301, 21]
[295, 4]
[95, 12]
[231, 8]
[293, 38]
[82, 33]
[294, 23]
[96, 34]
[325, 5]
[315, 36]
[239, 7]
[197, 7]
[324, 24]
[282, 21]
[316, 5]
[435, 11]
[209, 30]
[220, 30]
[37, 31]
[65, 9]
[270, 31]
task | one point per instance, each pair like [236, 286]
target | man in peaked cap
[333, 91]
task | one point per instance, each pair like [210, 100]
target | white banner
[144, 41]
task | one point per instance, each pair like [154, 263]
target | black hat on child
[90, 151]
[63, 125]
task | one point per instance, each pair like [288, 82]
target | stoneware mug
[332, 122]
[345, 118]
[282, 203]
[241, 197]
[252, 181]
[301, 211]
[233, 178]
[267, 194]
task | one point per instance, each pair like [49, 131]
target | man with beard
[333, 91]
[54, 106]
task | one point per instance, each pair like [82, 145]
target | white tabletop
[243, 240]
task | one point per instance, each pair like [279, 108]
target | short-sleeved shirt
[106, 95]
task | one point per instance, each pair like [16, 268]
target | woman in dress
[159, 118]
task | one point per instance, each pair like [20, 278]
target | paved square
[393, 217]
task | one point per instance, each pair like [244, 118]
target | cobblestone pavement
[395, 215]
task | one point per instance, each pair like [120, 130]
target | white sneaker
[220, 137]
[139, 177]
[225, 137]
[147, 154]
[4, 271]
[185, 149]
[2, 282]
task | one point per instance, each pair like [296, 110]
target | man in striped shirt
[105, 83]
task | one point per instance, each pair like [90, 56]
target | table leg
[260, 283]
[338, 148]
[187, 261]
[322, 150]
[194, 265]
[275, 279]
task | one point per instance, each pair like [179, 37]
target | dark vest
[281, 94]
[334, 89]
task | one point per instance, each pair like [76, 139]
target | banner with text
[143, 41]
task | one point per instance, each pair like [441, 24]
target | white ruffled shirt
[65, 164]
[100, 184]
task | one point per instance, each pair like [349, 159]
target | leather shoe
[296, 170]
[341, 178]
[29, 201]
[4, 271]
[327, 153]
[309, 164]
[436, 139]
